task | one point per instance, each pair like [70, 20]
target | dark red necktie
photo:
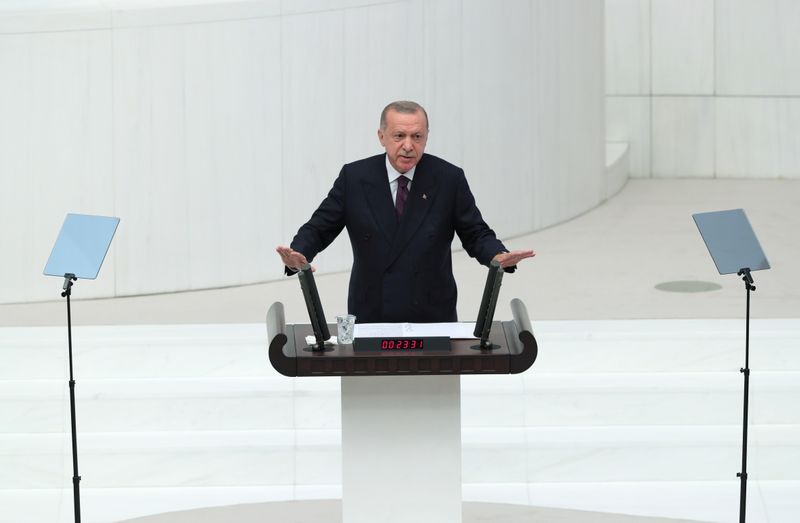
[402, 196]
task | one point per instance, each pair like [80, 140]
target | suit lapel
[379, 199]
[420, 200]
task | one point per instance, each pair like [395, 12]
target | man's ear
[380, 137]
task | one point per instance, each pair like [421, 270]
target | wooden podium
[401, 414]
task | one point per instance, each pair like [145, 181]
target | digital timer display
[426, 344]
[402, 343]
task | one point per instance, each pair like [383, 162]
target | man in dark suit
[401, 210]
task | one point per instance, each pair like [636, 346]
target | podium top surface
[288, 355]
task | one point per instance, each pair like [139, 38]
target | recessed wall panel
[628, 120]
[683, 137]
[683, 46]
[742, 55]
[758, 44]
[627, 46]
[758, 137]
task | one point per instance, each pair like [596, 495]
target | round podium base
[330, 511]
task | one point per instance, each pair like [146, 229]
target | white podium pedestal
[401, 449]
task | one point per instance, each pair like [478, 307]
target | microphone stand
[76, 479]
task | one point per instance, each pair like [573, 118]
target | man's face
[404, 139]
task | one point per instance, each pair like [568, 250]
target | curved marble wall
[214, 130]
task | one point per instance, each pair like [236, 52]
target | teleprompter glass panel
[731, 241]
[81, 246]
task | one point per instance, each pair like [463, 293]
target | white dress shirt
[394, 175]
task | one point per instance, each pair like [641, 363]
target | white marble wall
[705, 88]
[214, 130]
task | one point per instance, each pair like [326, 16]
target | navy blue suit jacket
[402, 269]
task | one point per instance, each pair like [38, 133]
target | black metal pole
[76, 479]
[748, 283]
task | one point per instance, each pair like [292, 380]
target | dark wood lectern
[517, 352]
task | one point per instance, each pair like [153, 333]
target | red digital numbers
[401, 344]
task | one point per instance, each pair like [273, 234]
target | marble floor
[634, 406]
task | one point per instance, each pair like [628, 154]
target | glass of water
[345, 328]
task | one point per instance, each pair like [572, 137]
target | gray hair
[405, 107]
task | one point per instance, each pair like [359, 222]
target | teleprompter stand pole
[76, 479]
[748, 283]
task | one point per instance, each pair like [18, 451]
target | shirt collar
[394, 175]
